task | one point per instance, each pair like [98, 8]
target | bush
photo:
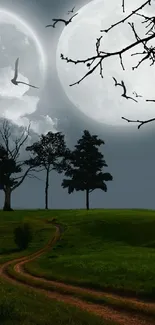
[23, 236]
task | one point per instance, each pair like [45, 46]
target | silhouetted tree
[85, 165]
[10, 165]
[48, 154]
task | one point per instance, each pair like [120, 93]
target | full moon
[17, 39]
[98, 98]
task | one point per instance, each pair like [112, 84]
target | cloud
[7, 88]
[17, 106]
[42, 125]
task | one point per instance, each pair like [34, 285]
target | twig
[136, 94]
[124, 19]
[56, 20]
[124, 89]
[101, 56]
[139, 121]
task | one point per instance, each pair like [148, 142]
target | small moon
[98, 98]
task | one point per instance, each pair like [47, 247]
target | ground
[103, 260]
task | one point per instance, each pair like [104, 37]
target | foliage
[85, 165]
[9, 157]
[8, 167]
[48, 154]
[47, 151]
[23, 236]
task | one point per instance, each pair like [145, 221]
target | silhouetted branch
[34, 176]
[146, 19]
[127, 17]
[6, 134]
[100, 57]
[123, 5]
[124, 89]
[148, 53]
[139, 121]
[56, 20]
[20, 141]
[134, 92]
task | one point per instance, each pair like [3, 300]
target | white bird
[14, 80]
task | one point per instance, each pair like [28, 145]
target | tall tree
[12, 173]
[48, 154]
[85, 165]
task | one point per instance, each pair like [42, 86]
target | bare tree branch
[124, 19]
[22, 179]
[34, 176]
[147, 53]
[100, 57]
[6, 134]
[123, 5]
[20, 141]
[56, 20]
[146, 19]
[139, 121]
[124, 89]
[134, 93]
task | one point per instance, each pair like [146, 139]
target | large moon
[98, 98]
[17, 39]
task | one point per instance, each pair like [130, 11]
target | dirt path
[108, 313]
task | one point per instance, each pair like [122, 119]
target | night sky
[130, 155]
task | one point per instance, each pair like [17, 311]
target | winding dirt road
[108, 313]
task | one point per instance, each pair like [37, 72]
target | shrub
[23, 236]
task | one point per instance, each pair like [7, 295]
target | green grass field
[21, 306]
[109, 249]
[25, 307]
[9, 220]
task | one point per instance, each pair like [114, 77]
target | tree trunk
[87, 199]
[46, 189]
[7, 202]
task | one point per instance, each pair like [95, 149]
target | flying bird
[14, 80]
[66, 22]
[136, 94]
[124, 89]
[69, 11]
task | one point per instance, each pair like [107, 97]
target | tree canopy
[84, 168]
[12, 173]
[47, 154]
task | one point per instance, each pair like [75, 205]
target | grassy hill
[110, 249]
[23, 306]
